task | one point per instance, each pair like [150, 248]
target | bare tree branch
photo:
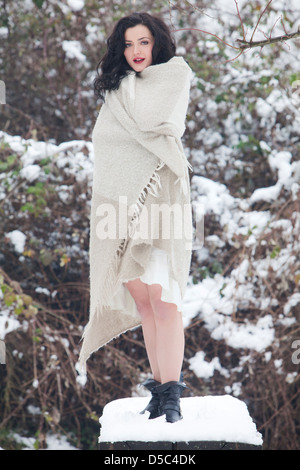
[190, 5]
[239, 15]
[259, 19]
[266, 42]
[207, 32]
[243, 44]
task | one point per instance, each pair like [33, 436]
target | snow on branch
[243, 44]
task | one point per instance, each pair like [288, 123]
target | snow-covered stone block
[214, 419]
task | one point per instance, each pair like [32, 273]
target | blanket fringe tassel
[183, 181]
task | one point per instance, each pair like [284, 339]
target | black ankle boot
[153, 406]
[169, 394]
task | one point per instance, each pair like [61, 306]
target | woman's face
[139, 42]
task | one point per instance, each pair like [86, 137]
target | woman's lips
[138, 60]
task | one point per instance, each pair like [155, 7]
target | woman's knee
[163, 311]
[144, 306]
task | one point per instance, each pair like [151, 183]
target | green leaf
[38, 3]
[27, 207]
[275, 252]
[37, 189]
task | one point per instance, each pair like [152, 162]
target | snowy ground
[53, 442]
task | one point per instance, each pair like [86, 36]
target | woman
[138, 266]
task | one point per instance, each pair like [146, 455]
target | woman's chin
[139, 68]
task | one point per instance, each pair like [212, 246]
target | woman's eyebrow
[127, 40]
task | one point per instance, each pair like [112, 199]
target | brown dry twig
[266, 42]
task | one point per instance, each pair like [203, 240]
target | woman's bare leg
[162, 329]
[169, 335]
[139, 292]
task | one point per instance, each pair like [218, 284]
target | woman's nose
[136, 49]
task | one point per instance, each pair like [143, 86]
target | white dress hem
[157, 272]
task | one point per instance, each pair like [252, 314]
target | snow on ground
[214, 300]
[18, 240]
[211, 418]
[53, 442]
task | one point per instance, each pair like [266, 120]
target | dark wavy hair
[113, 66]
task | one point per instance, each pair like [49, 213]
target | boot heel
[170, 394]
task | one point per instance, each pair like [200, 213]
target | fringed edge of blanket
[182, 180]
[86, 352]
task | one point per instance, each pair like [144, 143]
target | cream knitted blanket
[136, 138]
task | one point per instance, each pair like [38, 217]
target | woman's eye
[143, 42]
